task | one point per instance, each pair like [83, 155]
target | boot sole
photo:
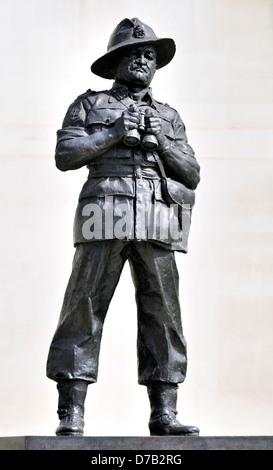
[154, 434]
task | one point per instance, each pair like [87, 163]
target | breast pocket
[103, 116]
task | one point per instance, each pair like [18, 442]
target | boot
[72, 395]
[163, 422]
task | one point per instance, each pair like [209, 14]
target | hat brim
[104, 66]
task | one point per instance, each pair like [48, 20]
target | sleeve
[69, 133]
[180, 137]
[178, 156]
[76, 115]
[77, 145]
[73, 123]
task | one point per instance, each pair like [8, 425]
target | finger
[154, 121]
[130, 114]
[131, 110]
[153, 130]
[150, 113]
[133, 119]
[154, 125]
[128, 125]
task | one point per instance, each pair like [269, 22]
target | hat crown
[130, 30]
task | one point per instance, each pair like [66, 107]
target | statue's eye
[149, 55]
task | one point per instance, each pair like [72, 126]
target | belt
[137, 171]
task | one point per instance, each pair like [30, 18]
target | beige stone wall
[221, 82]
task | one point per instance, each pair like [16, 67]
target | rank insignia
[74, 113]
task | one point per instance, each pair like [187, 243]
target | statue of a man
[130, 144]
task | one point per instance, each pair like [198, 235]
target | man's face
[137, 67]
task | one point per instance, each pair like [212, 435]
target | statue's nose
[141, 59]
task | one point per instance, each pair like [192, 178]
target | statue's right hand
[127, 121]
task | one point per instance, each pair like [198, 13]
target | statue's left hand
[154, 126]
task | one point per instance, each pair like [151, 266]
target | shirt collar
[121, 92]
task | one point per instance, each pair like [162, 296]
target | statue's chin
[139, 78]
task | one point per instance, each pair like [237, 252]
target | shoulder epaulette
[169, 106]
[163, 104]
[84, 99]
[85, 95]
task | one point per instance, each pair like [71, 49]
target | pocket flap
[108, 186]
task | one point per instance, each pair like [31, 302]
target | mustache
[142, 67]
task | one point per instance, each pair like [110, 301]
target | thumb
[149, 113]
[132, 108]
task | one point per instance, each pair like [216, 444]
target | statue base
[136, 444]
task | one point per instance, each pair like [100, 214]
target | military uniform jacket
[122, 197]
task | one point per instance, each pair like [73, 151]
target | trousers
[97, 266]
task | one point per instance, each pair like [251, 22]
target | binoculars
[136, 136]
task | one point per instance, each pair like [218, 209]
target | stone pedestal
[137, 444]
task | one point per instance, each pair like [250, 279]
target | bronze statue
[136, 206]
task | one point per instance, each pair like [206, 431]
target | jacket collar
[120, 92]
